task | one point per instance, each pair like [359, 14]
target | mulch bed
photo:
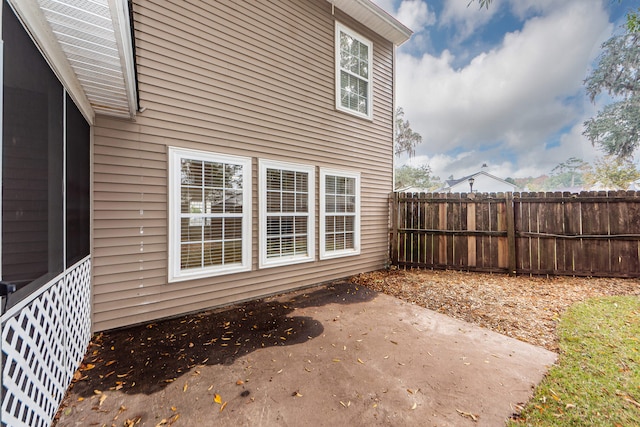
[525, 308]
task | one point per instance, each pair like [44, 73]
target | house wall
[253, 81]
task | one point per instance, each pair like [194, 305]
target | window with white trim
[339, 213]
[354, 57]
[209, 214]
[286, 213]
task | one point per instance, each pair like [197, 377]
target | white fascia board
[122, 29]
[33, 20]
[377, 19]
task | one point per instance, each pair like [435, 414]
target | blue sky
[502, 86]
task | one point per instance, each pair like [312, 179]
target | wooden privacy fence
[585, 234]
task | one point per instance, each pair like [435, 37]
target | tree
[420, 177]
[567, 174]
[616, 128]
[482, 3]
[633, 21]
[405, 139]
[612, 172]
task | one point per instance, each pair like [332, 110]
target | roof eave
[35, 21]
[122, 28]
[374, 17]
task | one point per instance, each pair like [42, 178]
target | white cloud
[466, 17]
[415, 14]
[514, 98]
[523, 8]
[387, 5]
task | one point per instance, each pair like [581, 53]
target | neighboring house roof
[374, 17]
[413, 189]
[88, 45]
[478, 177]
[634, 186]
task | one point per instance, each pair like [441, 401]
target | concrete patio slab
[325, 356]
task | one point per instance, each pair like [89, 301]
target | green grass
[596, 381]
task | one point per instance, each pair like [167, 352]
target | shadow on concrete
[146, 358]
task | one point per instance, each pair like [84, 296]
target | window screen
[340, 209]
[211, 215]
[354, 56]
[286, 213]
[32, 160]
[77, 210]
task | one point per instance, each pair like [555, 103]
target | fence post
[393, 218]
[511, 234]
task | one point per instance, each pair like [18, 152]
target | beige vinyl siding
[252, 79]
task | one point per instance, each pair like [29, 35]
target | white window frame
[175, 273]
[264, 261]
[339, 28]
[324, 253]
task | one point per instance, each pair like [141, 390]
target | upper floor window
[209, 214]
[354, 57]
[339, 213]
[286, 213]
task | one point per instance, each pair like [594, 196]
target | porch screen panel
[77, 184]
[32, 160]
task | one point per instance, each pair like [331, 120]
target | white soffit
[91, 50]
[375, 18]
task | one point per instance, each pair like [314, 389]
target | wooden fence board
[522, 212]
[532, 233]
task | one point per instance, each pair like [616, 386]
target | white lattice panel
[42, 345]
[78, 320]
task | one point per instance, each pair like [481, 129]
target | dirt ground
[525, 308]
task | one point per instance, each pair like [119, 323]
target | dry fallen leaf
[415, 405]
[217, 398]
[133, 422]
[224, 405]
[184, 388]
[102, 399]
[467, 415]
[360, 361]
[162, 422]
[239, 382]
